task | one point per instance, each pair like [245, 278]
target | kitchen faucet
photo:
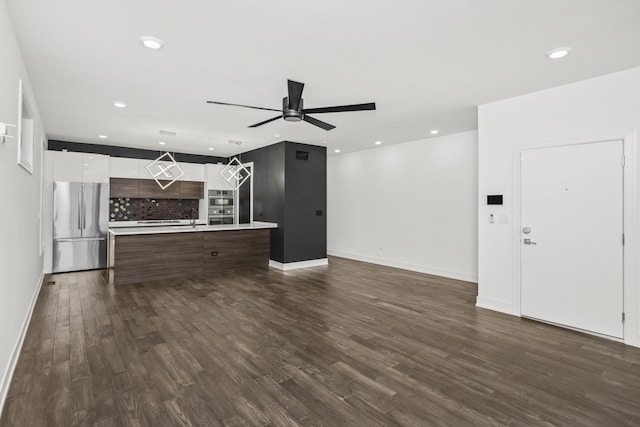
[193, 218]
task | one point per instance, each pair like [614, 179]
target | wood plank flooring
[351, 344]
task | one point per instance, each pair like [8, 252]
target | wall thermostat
[495, 199]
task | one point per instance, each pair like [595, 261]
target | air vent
[167, 133]
[231, 141]
[302, 155]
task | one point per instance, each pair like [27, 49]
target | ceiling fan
[293, 110]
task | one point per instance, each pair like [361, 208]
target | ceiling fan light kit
[293, 108]
[289, 114]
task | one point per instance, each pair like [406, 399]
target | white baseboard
[406, 266]
[571, 328]
[634, 344]
[495, 305]
[8, 374]
[300, 264]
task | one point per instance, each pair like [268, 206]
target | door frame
[631, 293]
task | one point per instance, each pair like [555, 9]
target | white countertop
[159, 223]
[128, 231]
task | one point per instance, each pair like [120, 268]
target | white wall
[595, 109]
[20, 260]
[410, 205]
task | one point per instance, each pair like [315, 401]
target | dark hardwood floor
[348, 344]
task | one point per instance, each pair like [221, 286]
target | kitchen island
[138, 254]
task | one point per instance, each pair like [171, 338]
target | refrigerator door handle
[84, 210]
[79, 210]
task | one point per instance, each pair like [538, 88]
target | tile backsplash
[126, 209]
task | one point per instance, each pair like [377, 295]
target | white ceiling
[426, 63]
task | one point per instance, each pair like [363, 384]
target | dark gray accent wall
[133, 153]
[268, 191]
[291, 193]
[305, 203]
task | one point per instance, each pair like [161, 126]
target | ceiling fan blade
[240, 105]
[320, 124]
[265, 122]
[295, 94]
[341, 108]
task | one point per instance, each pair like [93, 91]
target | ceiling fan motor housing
[293, 108]
[290, 113]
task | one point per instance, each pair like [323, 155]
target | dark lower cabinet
[231, 250]
[144, 257]
[148, 257]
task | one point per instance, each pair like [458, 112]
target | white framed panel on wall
[26, 127]
[43, 147]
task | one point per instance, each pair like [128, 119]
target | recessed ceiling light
[336, 150]
[558, 53]
[151, 42]
[102, 136]
[119, 104]
[378, 142]
[211, 148]
[161, 142]
[277, 135]
[324, 142]
[91, 157]
[434, 132]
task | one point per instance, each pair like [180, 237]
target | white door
[572, 214]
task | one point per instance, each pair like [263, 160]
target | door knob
[529, 242]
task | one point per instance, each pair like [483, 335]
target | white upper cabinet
[192, 172]
[86, 167]
[80, 167]
[67, 166]
[214, 180]
[122, 167]
[143, 173]
[95, 168]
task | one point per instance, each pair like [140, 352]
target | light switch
[503, 219]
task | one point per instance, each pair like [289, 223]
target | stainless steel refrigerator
[80, 225]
